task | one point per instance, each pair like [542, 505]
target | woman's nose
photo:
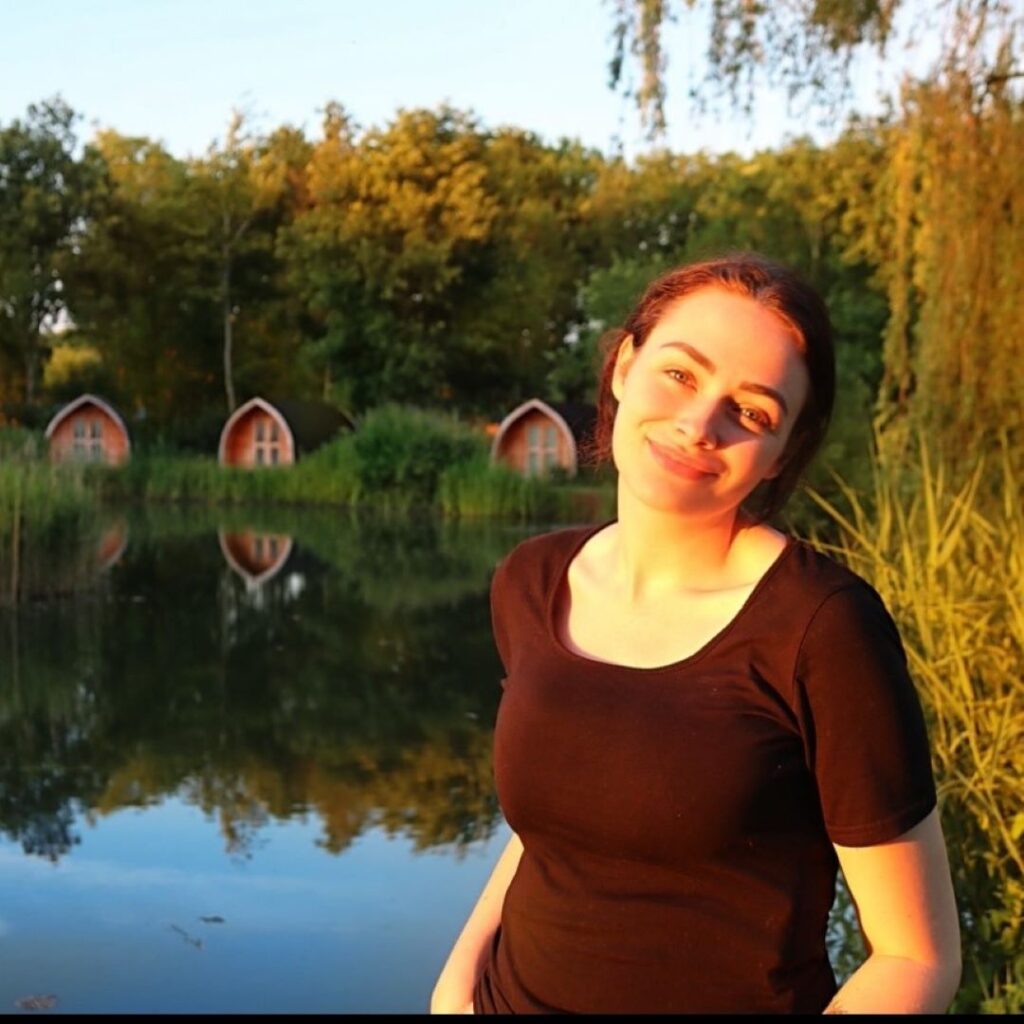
[698, 422]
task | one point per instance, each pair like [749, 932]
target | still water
[245, 763]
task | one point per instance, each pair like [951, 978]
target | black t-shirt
[677, 822]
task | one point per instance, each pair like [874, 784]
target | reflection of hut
[112, 544]
[537, 436]
[88, 430]
[263, 433]
[256, 556]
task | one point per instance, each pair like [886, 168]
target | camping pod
[88, 430]
[537, 437]
[265, 433]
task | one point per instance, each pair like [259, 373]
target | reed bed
[42, 508]
[948, 559]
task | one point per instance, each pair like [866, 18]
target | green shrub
[21, 445]
[407, 450]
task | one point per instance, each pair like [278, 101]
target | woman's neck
[653, 552]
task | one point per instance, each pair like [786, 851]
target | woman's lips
[681, 465]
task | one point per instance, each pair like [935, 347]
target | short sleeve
[861, 719]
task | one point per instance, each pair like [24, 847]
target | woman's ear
[623, 359]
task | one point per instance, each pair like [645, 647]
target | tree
[233, 187]
[381, 253]
[944, 223]
[138, 289]
[44, 197]
[176, 263]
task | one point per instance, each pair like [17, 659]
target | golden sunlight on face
[707, 403]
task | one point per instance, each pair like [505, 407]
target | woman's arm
[903, 894]
[453, 992]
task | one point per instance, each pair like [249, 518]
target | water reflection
[72, 563]
[255, 556]
[111, 545]
[348, 674]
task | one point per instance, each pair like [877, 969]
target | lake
[246, 763]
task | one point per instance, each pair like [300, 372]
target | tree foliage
[44, 195]
[939, 215]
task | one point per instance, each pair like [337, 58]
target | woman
[703, 718]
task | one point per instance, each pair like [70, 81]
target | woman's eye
[755, 416]
[683, 376]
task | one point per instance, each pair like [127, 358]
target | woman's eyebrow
[698, 357]
[693, 353]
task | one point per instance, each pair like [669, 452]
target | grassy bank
[949, 562]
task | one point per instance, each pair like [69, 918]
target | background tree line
[430, 261]
[436, 262]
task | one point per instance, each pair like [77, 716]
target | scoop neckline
[561, 576]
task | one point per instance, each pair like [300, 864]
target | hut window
[97, 429]
[97, 452]
[78, 450]
[79, 428]
[541, 448]
[267, 436]
[551, 445]
[272, 544]
[257, 545]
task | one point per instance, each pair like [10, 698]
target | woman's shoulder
[818, 574]
[823, 599]
[807, 585]
[545, 553]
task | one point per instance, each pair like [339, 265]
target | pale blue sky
[174, 69]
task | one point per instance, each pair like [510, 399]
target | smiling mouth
[682, 465]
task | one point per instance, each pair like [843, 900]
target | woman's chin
[683, 497]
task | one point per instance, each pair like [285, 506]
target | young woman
[703, 718]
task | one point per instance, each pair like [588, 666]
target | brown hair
[777, 288]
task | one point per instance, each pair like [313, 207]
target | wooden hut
[538, 436]
[264, 433]
[88, 430]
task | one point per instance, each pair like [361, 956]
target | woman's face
[707, 403]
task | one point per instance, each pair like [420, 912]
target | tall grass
[948, 559]
[41, 507]
[477, 488]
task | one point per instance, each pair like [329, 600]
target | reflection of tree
[365, 695]
[60, 561]
[46, 717]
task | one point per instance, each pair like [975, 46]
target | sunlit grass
[948, 559]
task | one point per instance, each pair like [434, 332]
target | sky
[175, 69]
